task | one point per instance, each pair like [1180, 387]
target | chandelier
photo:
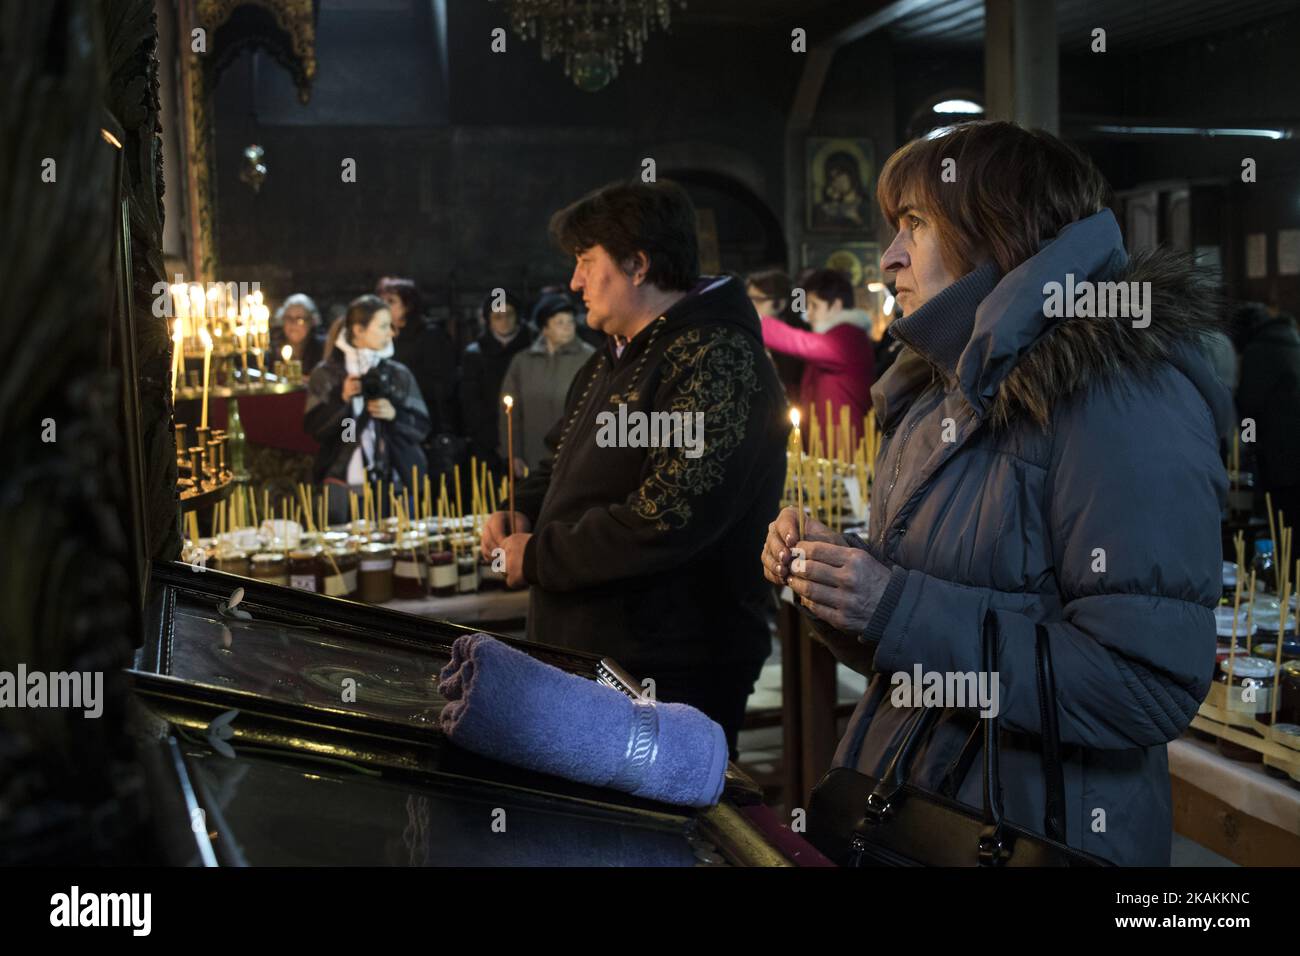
[593, 36]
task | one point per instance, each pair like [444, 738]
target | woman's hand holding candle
[840, 585]
[783, 536]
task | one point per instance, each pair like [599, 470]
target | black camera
[382, 381]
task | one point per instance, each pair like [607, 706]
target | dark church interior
[646, 433]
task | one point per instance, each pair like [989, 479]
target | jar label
[467, 582]
[340, 584]
[305, 582]
[380, 564]
[407, 569]
[444, 575]
[1260, 705]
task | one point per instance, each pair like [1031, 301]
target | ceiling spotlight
[958, 106]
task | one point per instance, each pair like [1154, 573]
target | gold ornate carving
[294, 17]
[198, 82]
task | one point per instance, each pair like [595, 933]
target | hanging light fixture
[592, 36]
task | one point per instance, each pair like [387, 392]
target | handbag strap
[994, 848]
[1053, 768]
[994, 845]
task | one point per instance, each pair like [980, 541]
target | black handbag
[856, 820]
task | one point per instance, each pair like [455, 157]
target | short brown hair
[626, 218]
[1015, 188]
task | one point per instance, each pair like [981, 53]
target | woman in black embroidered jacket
[633, 534]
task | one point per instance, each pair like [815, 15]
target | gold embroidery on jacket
[718, 376]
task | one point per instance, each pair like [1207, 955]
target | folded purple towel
[511, 707]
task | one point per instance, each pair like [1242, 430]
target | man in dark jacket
[483, 367]
[645, 529]
[1269, 394]
[425, 348]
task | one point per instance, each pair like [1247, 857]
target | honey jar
[271, 567]
[1251, 677]
[337, 568]
[304, 569]
[410, 568]
[375, 574]
[232, 561]
[442, 568]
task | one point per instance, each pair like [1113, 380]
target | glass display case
[298, 729]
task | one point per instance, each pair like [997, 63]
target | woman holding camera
[1046, 464]
[363, 408]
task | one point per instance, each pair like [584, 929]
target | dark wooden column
[131, 41]
[68, 783]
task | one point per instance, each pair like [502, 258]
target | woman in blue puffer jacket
[1049, 452]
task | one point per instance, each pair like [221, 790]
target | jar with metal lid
[337, 568]
[490, 579]
[1288, 735]
[1223, 625]
[333, 539]
[304, 569]
[272, 567]
[1249, 694]
[232, 561]
[466, 566]
[442, 568]
[1288, 693]
[410, 568]
[375, 574]
[466, 574]
[1266, 647]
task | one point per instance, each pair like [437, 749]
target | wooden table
[1232, 807]
[808, 705]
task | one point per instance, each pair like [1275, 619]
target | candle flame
[286, 353]
[794, 417]
[206, 339]
[178, 332]
[509, 401]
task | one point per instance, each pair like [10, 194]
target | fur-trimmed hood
[1020, 362]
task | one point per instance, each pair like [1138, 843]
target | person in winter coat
[538, 380]
[483, 366]
[425, 348]
[769, 290]
[297, 324]
[1053, 462]
[364, 408]
[1269, 395]
[838, 358]
[639, 534]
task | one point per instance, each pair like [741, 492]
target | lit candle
[286, 354]
[207, 365]
[196, 313]
[241, 334]
[798, 466]
[178, 354]
[510, 454]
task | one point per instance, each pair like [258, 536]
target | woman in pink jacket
[838, 359]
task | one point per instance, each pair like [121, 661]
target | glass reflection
[283, 813]
[304, 664]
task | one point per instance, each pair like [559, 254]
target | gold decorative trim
[740, 839]
[294, 17]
